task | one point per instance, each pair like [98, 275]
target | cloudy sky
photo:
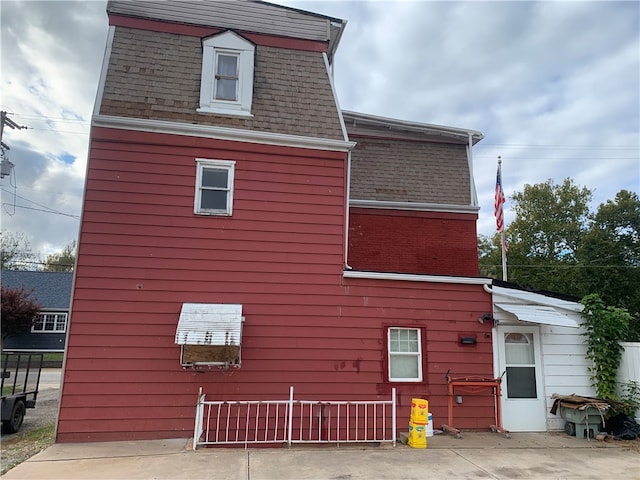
[553, 86]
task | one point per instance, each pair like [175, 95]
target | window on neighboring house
[227, 75]
[50, 323]
[405, 354]
[214, 187]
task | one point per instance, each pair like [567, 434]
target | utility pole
[5, 120]
[5, 165]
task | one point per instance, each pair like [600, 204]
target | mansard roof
[246, 15]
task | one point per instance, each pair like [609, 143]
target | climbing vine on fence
[605, 328]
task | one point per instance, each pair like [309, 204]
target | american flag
[499, 202]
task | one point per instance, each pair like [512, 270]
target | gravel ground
[20, 446]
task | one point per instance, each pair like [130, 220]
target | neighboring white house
[539, 346]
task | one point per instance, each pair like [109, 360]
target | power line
[57, 119]
[77, 217]
[40, 205]
[563, 266]
[582, 156]
[44, 209]
[59, 131]
[54, 119]
[6, 121]
[524, 145]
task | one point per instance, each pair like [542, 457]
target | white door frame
[521, 414]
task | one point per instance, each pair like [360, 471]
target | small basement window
[210, 334]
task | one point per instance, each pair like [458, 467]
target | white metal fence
[294, 421]
[629, 369]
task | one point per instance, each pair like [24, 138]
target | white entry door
[519, 355]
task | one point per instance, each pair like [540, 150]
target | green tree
[490, 256]
[63, 261]
[18, 311]
[546, 234]
[609, 255]
[15, 252]
[556, 243]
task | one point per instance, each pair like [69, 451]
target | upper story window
[50, 323]
[225, 82]
[214, 187]
[405, 354]
[227, 75]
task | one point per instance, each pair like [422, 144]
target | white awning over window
[209, 324]
[538, 314]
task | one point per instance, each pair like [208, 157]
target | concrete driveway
[476, 456]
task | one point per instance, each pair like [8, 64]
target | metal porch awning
[209, 324]
[538, 314]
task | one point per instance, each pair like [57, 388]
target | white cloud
[51, 59]
[554, 86]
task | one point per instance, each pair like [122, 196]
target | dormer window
[227, 75]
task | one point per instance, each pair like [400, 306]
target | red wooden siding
[431, 243]
[143, 253]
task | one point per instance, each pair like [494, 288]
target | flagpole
[502, 242]
[504, 258]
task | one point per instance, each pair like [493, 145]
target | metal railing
[294, 421]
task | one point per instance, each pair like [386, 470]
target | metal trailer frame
[20, 379]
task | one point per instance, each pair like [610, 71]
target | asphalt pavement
[50, 378]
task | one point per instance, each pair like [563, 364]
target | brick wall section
[410, 171]
[155, 75]
[430, 243]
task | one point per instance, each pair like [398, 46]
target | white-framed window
[227, 75]
[50, 323]
[404, 348]
[214, 187]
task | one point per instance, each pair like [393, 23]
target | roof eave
[426, 128]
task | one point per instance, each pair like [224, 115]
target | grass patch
[53, 357]
[17, 450]
[42, 434]
[8, 390]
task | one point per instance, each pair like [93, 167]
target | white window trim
[201, 164]
[417, 354]
[232, 44]
[61, 317]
